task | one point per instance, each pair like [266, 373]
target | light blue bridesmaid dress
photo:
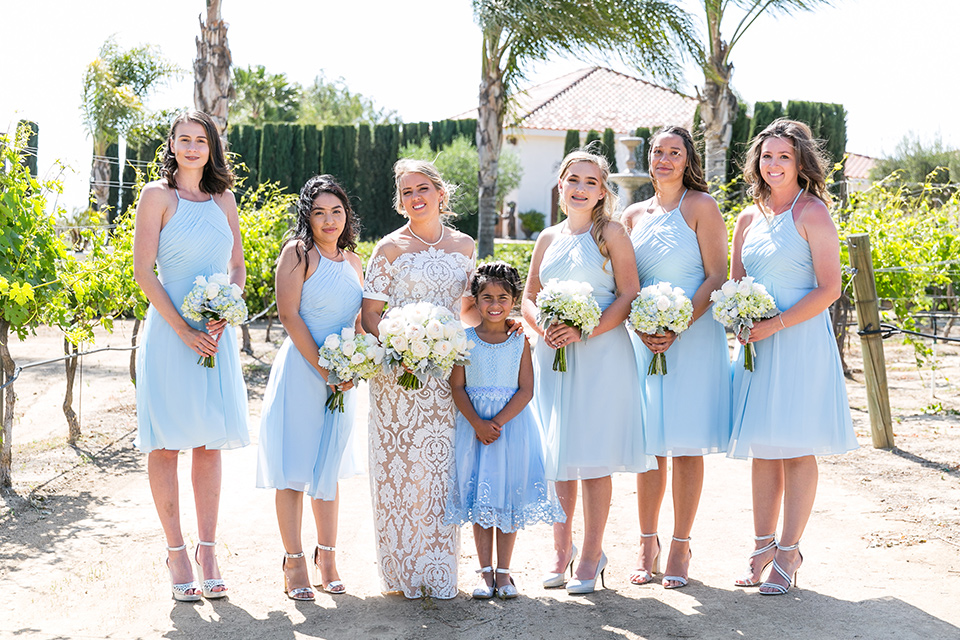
[794, 403]
[590, 415]
[181, 404]
[303, 446]
[686, 411]
[501, 484]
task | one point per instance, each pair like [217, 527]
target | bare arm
[370, 313]
[814, 224]
[290, 278]
[744, 220]
[487, 430]
[152, 210]
[528, 306]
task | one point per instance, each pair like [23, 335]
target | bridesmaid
[319, 285]
[187, 225]
[793, 406]
[601, 379]
[679, 237]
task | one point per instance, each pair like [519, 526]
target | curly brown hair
[812, 163]
[498, 272]
[217, 174]
[302, 233]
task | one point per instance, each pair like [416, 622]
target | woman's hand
[202, 343]
[561, 335]
[762, 329]
[487, 431]
[514, 326]
[216, 328]
[658, 342]
[343, 386]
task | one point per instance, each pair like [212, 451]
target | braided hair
[496, 273]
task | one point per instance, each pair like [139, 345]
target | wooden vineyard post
[871, 343]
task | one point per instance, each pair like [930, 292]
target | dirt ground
[81, 551]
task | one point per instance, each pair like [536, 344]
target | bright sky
[889, 66]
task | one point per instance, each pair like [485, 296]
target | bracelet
[780, 315]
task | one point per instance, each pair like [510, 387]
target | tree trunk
[269, 326]
[100, 177]
[133, 353]
[718, 105]
[6, 411]
[212, 83]
[718, 108]
[489, 141]
[70, 366]
[247, 346]
[839, 312]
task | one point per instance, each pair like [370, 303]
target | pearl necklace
[429, 244]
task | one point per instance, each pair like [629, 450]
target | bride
[411, 432]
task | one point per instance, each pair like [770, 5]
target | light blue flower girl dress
[686, 411]
[501, 484]
[794, 402]
[182, 404]
[303, 446]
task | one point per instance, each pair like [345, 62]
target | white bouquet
[349, 356]
[423, 339]
[571, 303]
[660, 307]
[214, 298]
[738, 305]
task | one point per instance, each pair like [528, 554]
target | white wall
[540, 152]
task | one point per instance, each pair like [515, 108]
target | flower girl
[499, 476]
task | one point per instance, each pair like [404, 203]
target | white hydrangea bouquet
[349, 356]
[660, 307]
[424, 339]
[214, 298]
[737, 305]
[571, 303]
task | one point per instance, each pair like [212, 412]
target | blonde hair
[406, 166]
[603, 210]
[808, 152]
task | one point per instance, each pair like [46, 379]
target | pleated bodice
[577, 257]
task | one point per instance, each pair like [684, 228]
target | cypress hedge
[571, 142]
[739, 140]
[763, 114]
[310, 165]
[113, 199]
[381, 218]
[362, 198]
[609, 149]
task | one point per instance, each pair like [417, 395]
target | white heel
[589, 586]
[556, 580]
[180, 590]
[209, 585]
[746, 581]
[304, 594]
[336, 587]
[641, 575]
[680, 580]
[779, 589]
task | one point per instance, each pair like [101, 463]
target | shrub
[532, 222]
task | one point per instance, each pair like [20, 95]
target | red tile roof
[597, 98]
[858, 167]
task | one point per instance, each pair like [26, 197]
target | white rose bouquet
[660, 307]
[349, 356]
[214, 298]
[424, 339]
[738, 305]
[571, 303]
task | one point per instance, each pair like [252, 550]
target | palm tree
[212, 86]
[264, 97]
[115, 86]
[718, 104]
[651, 34]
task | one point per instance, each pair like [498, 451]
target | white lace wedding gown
[411, 437]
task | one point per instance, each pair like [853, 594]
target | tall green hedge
[310, 159]
[739, 140]
[763, 114]
[610, 149]
[643, 150]
[379, 215]
[113, 200]
[571, 142]
[363, 197]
